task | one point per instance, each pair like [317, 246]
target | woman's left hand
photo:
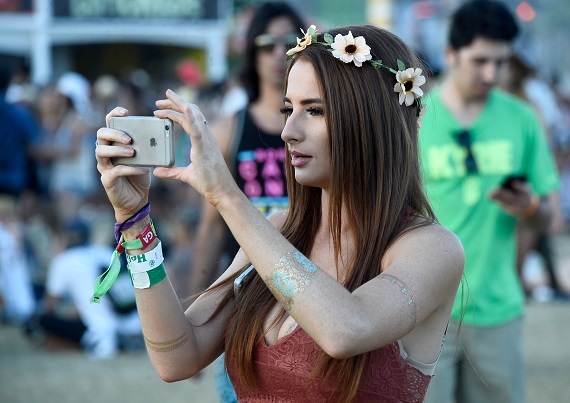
[207, 172]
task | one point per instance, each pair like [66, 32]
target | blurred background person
[472, 138]
[21, 91]
[17, 300]
[521, 80]
[18, 134]
[250, 140]
[67, 166]
[561, 143]
[133, 93]
[67, 313]
[105, 93]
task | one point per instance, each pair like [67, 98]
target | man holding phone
[487, 169]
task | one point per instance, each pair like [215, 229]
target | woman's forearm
[170, 337]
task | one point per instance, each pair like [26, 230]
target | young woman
[352, 287]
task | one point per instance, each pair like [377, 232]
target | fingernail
[122, 111]
[126, 138]
[128, 151]
[168, 91]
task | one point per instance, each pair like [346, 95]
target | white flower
[408, 85]
[350, 49]
[305, 41]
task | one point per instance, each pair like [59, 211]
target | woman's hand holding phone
[207, 172]
[127, 187]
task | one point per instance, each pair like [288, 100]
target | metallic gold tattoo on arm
[292, 274]
[409, 297]
[166, 346]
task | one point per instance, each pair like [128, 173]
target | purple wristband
[129, 222]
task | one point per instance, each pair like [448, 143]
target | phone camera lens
[167, 127]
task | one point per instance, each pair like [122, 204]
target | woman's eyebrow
[305, 101]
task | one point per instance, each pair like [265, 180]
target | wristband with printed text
[146, 261]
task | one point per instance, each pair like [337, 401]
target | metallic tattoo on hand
[166, 346]
[292, 274]
[409, 297]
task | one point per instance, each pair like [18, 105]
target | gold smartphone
[152, 140]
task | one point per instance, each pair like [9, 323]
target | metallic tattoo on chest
[292, 274]
[166, 346]
[407, 294]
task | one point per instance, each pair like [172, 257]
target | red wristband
[147, 235]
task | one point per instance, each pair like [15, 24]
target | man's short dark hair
[481, 19]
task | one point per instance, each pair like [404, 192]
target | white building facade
[34, 29]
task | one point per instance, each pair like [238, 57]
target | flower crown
[349, 49]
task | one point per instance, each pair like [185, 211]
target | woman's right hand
[127, 187]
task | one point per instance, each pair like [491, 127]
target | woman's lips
[298, 159]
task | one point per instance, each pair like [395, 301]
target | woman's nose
[290, 133]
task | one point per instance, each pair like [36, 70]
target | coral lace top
[283, 372]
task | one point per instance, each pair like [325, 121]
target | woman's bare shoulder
[430, 242]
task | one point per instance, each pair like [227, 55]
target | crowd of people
[343, 209]
[48, 185]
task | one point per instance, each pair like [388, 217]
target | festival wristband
[106, 280]
[146, 261]
[129, 222]
[147, 235]
[141, 241]
[149, 278]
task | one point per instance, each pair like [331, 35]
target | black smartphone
[508, 182]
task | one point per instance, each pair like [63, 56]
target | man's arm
[538, 218]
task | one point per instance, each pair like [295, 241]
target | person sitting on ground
[68, 316]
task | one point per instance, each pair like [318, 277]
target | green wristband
[148, 278]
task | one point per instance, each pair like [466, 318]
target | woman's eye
[315, 111]
[286, 111]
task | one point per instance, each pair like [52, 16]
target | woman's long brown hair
[375, 175]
